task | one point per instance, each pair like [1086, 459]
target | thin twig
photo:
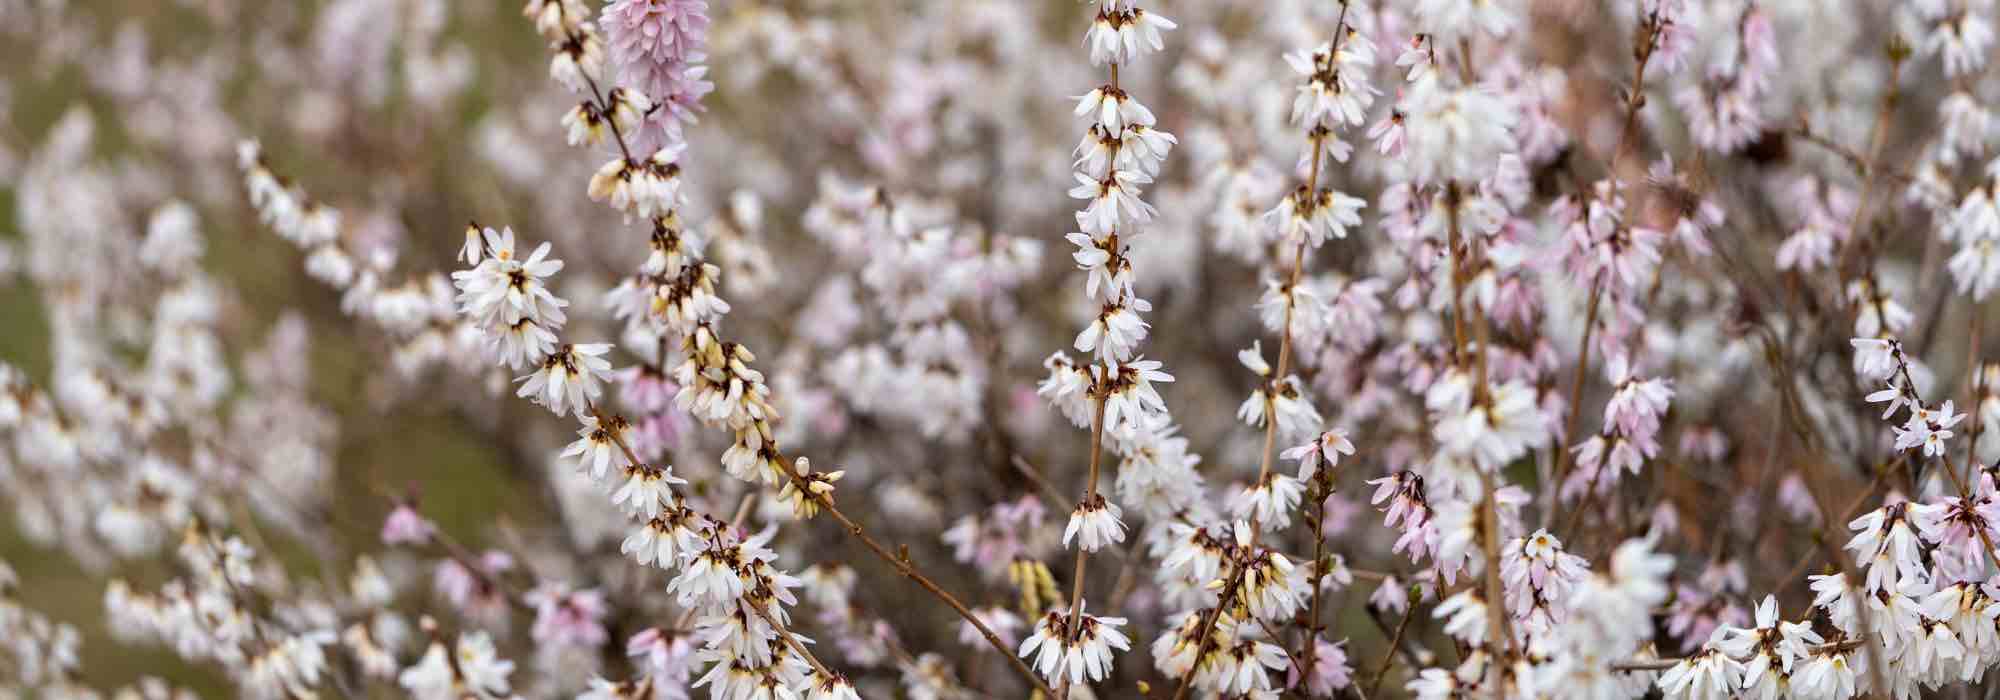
[1082, 552]
[1575, 399]
[1395, 645]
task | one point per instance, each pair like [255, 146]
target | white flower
[1977, 217]
[1707, 675]
[518, 345]
[1286, 402]
[1269, 503]
[737, 678]
[1538, 578]
[1086, 657]
[1193, 556]
[1614, 611]
[1242, 669]
[319, 226]
[173, 243]
[1116, 332]
[1273, 587]
[1435, 684]
[661, 540]
[1894, 395]
[1963, 42]
[628, 106]
[1833, 594]
[474, 670]
[431, 677]
[596, 445]
[1825, 675]
[1455, 133]
[1102, 39]
[709, 578]
[1067, 387]
[1390, 596]
[1123, 36]
[1637, 405]
[1336, 90]
[1107, 270]
[1333, 214]
[1252, 359]
[1465, 616]
[1887, 545]
[1097, 153]
[1772, 648]
[556, 19]
[1144, 148]
[1968, 610]
[1313, 217]
[483, 669]
[289, 668]
[1976, 268]
[1928, 429]
[643, 189]
[1140, 31]
[1498, 431]
[583, 126]
[330, 264]
[578, 62]
[1112, 109]
[1876, 358]
[572, 377]
[1133, 397]
[1003, 622]
[1097, 522]
[646, 491]
[833, 687]
[1323, 450]
[1115, 205]
[1453, 19]
[501, 290]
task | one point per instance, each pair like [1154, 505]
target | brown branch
[1082, 552]
[1395, 645]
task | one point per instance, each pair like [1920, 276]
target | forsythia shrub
[1587, 349]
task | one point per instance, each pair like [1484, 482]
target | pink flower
[1330, 671]
[1390, 596]
[659, 46]
[405, 526]
[645, 388]
[669, 657]
[472, 592]
[1325, 449]
[564, 617]
[660, 31]
[1797, 499]
[1954, 526]
[1337, 515]
[1009, 531]
[1405, 493]
[659, 432]
[1004, 623]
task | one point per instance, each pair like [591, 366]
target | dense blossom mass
[663, 349]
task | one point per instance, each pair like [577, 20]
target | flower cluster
[1630, 435]
[419, 312]
[659, 48]
[213, 615]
